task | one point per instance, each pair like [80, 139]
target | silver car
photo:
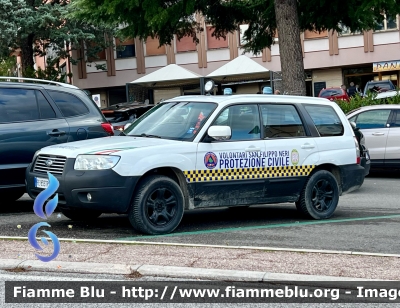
[380, 125]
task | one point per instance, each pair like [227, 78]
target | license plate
[41, 183]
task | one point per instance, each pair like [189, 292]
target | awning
[168, 76]
[241, 68]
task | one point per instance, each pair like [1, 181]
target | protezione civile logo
[49, 209]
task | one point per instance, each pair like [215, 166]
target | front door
[374, 126]
[225, 170]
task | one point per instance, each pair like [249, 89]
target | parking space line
[284, 225]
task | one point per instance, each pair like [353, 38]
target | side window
[69, 104]
[373, 119]
[244, 121]
[281, 121]
[326, 120]
[46, 111]
[18, 105]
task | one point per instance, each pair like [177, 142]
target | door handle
[378, 134]
[253, 149]
[56, 132]
[308, 146]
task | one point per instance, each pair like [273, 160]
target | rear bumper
[352, 177]
[110, 192]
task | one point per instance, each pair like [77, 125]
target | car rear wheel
[157, 206]
[11, 195]
[80, 214]
[320, 196]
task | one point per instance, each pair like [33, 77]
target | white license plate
[41, 183]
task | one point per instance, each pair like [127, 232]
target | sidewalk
[201, 262]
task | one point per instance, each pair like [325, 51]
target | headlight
[95, 162]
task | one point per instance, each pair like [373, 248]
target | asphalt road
[366, 220]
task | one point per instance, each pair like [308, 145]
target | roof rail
[61, 84]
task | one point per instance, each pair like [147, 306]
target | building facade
[330, 60]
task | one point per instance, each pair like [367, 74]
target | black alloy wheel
[158, 205]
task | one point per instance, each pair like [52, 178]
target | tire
[11, 195]
[158, 206]
[320, 196]
[80, 214]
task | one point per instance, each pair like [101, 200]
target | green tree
[164, 18]
[37, 26]
[8, 67]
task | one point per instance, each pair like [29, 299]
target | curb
[272, 249]
[165, 271]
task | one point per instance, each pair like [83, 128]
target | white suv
[209, 151]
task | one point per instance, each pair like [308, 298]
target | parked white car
[380, 125]
[209, 151]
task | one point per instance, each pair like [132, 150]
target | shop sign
[386, 66]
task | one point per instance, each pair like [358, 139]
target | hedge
[358, 101]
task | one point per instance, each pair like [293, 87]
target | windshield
[174, 120]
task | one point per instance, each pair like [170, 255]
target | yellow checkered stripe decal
[247, 173]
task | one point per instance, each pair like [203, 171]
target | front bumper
[110, 192]
[352, 177]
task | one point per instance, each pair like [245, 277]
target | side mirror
[220, 132]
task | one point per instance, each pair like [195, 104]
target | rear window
[326, 120]
[69, 104]
[116, 117]
[379, 86]
[331, 92]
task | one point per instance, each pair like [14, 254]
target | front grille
[56, 167]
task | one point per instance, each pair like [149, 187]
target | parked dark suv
[33, 116]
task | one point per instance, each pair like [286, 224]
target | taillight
[108, 128]
[357, 151]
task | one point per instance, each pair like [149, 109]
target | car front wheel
[157, 206]
[11, 195]
[320, 196]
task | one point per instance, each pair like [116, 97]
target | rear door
[28, 122]
[291, 151]
[83, 124]
[374, 124]
[392, 153]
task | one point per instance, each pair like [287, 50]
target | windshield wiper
[146, 135]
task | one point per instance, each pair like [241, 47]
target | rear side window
[18, 105]
[69, 104]
[281, 121]
[46, 111]
[326, 120]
